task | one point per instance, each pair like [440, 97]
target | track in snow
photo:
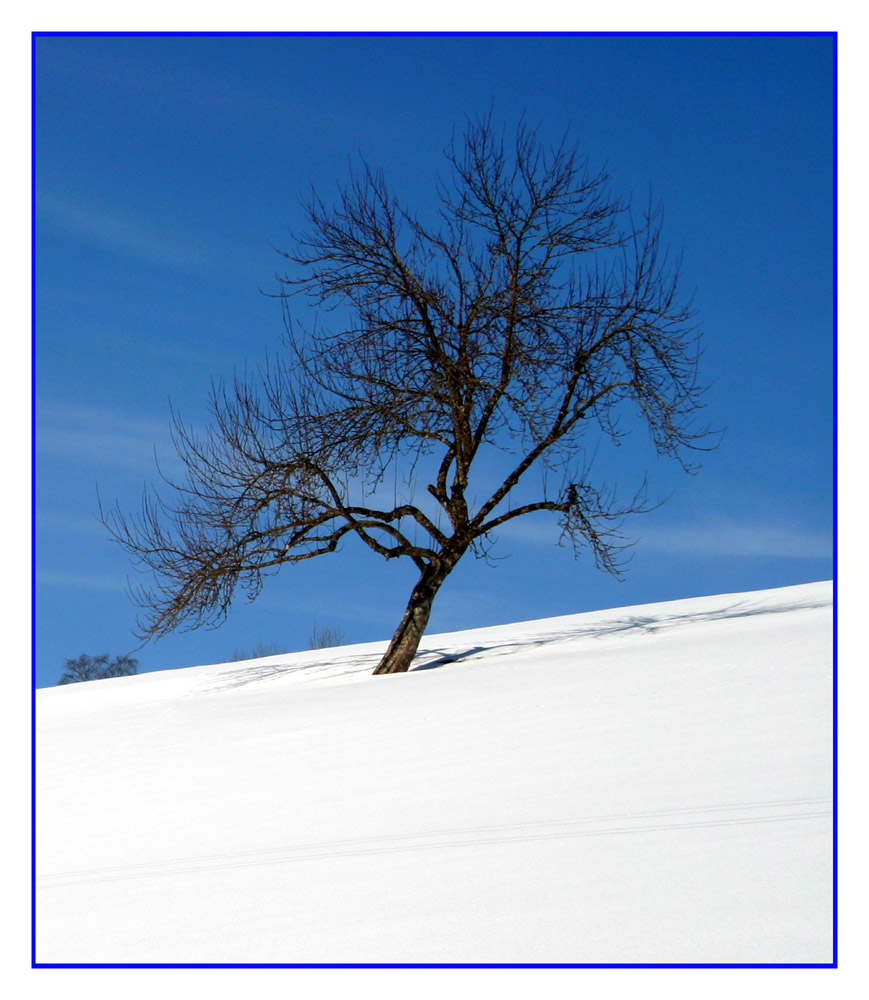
[740, 814]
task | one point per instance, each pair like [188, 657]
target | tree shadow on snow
[629, 624]
[434, 658]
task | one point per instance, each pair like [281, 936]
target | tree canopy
[524, 316]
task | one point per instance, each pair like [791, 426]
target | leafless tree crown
[526, 317]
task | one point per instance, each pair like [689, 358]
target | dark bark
[402, 649]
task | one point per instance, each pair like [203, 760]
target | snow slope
[643, 785]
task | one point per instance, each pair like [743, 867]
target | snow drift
[643, 785]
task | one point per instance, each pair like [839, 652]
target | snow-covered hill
[643, 785]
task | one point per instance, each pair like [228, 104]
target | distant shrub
[321, 637]
[324, 636]
[260, 649]
[94, 668]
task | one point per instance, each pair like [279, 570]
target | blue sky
[167, 169]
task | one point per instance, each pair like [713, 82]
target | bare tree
[525, 319]
[325, 637]
[95, 668]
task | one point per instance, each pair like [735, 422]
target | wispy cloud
[745, 539]
[136, 235]
[98, 435]
[719, 536]
[202, 96]
[59, 523]
[79, 581]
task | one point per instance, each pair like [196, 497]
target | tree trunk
[405, 642]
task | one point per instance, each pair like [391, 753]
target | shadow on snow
[431, 658]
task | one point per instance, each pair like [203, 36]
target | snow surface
[642, 785]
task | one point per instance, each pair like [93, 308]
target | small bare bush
[324, 636]
[258, 650]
